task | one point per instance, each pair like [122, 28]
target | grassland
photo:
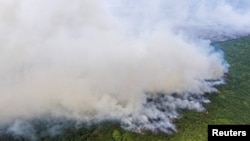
[231, 106]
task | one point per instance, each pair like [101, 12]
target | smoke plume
[137, 62]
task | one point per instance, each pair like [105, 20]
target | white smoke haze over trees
[97, 60]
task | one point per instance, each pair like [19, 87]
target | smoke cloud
[137, 62]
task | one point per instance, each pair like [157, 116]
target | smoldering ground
[90, 61]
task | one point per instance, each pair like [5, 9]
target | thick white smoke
[96, 60]
[209, 19]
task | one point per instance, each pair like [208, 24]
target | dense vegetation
[231, 106]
